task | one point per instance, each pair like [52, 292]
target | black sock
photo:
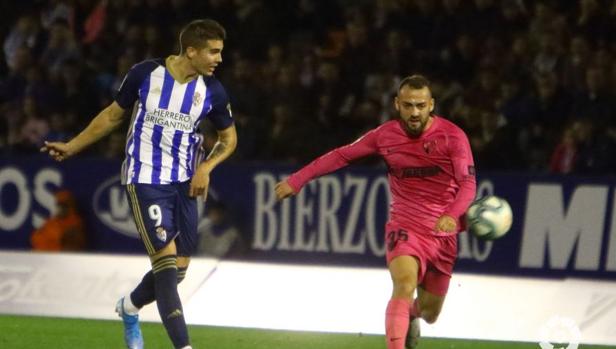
[168, 300]
[144, 293]
[181, 274]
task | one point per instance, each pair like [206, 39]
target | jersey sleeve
[335, 159]
[128, 92]
[220, 115]
[464, 174]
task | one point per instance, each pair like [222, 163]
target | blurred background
[532, 83]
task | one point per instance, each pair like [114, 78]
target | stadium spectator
[576, 62]
[25, 34]
[33, 127]
[565, 154]
[13, 85]
[591, 22]
[61, 47]
[63, 231]
[60, 127]
[594, 100]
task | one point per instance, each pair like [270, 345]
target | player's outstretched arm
[283, 190]
[329, 162]
[105, 122]
[224, 147]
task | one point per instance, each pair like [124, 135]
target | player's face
[205, 60]
[415, 107]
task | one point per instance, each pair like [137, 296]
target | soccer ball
[489, 218]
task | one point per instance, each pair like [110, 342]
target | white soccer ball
[489, 218]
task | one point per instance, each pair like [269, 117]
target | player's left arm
[224, 147]
[464, 175]
[220, 116]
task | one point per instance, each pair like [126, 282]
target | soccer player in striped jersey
[432, 183]
[164, 170]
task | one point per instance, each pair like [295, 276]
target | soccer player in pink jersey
[432, 183]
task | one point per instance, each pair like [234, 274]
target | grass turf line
[26, 332]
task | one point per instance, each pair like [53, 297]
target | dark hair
[196, 33]
[415, 82]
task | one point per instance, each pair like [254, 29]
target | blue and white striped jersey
[163, 145]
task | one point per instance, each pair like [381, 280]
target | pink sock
[397, 322]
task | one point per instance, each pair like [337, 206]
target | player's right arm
[109, 118]
[330, 162]
[106, 121]
[464, 175]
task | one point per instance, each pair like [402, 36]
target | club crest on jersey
[429, 146]
[196, 99]
[161, 234]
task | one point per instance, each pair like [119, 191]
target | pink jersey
[429, 176]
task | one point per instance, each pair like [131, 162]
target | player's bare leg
[426, 306]
[430, 305]
[403, 271]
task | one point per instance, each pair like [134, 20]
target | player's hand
[57, 150]
[446, 224]
[200, 182]
[283, 190]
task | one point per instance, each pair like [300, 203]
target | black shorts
[163, 213]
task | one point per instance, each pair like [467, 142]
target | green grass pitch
[24, 332]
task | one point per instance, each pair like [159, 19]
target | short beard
[413, 133]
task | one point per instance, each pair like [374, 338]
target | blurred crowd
[532, 82]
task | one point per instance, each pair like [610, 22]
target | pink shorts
[436, 255]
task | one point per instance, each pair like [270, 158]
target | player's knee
[405, 290]
[404, 287]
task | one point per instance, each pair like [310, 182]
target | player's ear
[396, 103]
[191, 52]
[431, 105]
